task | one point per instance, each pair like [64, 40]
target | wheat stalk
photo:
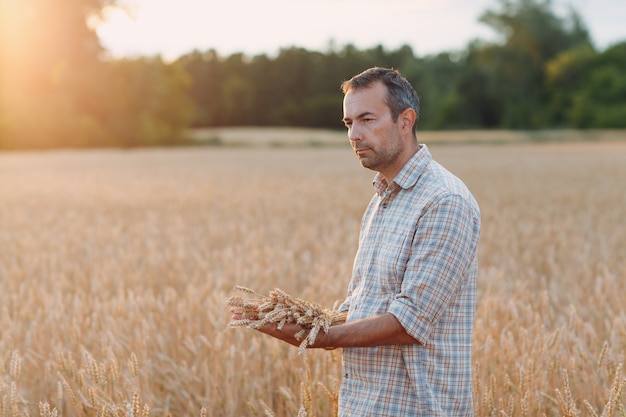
[281, 308]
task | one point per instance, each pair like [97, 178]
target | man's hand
[288, 334]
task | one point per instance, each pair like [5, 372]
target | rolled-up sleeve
[441, 253]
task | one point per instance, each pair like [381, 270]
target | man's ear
[407, 119]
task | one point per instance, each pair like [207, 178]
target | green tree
[508, 77]
[57, 90]
[436, 80]
[144, 102]
[541, 72]
[205, 88]
[588, 89]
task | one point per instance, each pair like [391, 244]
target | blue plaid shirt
[417, 259]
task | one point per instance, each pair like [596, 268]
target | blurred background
[114, 73]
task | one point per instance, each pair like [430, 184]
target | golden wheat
[114, 268]
[281, 308]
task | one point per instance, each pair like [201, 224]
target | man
[411, 301]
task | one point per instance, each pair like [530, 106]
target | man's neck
[391, 173]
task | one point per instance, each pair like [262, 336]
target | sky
[171, 28]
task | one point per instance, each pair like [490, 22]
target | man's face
[373, 134]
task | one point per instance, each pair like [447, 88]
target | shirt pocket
[388, 264]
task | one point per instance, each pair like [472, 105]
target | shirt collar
[409, 174]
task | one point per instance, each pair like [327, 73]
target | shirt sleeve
[345, 306]
[442, 251]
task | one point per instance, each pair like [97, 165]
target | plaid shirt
[417, 259]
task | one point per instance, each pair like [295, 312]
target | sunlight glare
[116, 27]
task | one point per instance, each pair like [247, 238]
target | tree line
[542, 72]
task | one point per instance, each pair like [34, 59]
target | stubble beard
[385, 156]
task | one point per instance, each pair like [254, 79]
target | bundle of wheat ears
[257, 310]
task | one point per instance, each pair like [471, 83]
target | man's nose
[354, 133]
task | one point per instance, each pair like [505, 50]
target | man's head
[400, 93]
[379, 110]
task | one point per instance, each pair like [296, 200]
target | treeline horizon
[57, 90]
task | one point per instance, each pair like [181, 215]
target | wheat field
[115, 267]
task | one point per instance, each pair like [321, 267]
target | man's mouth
[360, 151]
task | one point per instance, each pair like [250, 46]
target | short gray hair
[400, 93]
